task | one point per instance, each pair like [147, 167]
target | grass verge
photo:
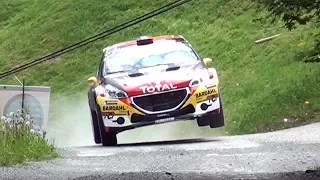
[19, 142]
[261, 84]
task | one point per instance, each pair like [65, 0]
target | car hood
[157, 79]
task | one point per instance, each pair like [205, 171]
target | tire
[203, 121]
[107, 138]
[214, 120]
[217, 120]
[95, 127]
[91, 99]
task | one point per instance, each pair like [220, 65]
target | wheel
[107, 138]
[214, 120]
[94, 119]
[95, 127]
[91, 98]
[203, 121]
[217, 120]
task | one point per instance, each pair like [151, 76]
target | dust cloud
[70, 126]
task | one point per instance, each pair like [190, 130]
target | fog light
[204, 106]
[120, 120]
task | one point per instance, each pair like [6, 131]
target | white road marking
[243, 154]
[95, 154]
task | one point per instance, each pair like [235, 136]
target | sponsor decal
[114, 108]
[211, 99]
[111, 102]
[108, 116]
[164, 120]
[206, 93]
[157, 88]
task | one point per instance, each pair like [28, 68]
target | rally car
[152, 80]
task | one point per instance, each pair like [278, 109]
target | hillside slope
[261, 84]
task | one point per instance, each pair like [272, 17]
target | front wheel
[217, 120]
[95, 127]
[107, 138]
[214, 120]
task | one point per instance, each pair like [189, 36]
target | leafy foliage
[313, 55]
[293, 12]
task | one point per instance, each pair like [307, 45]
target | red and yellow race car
[152, 80]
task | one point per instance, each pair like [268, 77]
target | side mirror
[207, 61]
[93, 81]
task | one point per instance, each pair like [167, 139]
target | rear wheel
[107, 138]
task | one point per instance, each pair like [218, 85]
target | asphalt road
[273, 155]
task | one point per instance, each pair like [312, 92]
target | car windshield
[157, 53]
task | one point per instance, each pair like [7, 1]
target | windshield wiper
[169, 64]
[114, 72]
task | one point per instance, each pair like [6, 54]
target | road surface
[259, 156]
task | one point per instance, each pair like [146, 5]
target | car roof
[134, 42]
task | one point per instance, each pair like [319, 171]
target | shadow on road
[157, 143]
[205, 175]
[170, 142]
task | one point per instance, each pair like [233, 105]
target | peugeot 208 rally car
[152, 80]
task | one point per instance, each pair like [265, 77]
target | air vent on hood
[136, 74]
[173, 68]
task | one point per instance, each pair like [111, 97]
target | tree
[294, 13]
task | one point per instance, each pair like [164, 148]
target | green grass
[261, 84]
[19, 143]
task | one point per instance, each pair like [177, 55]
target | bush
[19, 141]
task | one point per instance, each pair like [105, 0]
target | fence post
[22, 104]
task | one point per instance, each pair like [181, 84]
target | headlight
[195, 82]
[204, 79]
[113, 92]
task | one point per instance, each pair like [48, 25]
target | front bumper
[122, 114]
